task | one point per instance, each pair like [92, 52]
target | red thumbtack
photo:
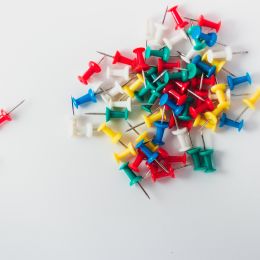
[177, 159]
[180, 23]
[140, 61]
[182, 86]
[161, 65]
[138, 160]
[207, 23]
[180, 99]
[195, 82]
[158, 174]
[203, 107]
[5, 116]
[93, 68]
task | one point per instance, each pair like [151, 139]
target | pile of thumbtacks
[173, 91]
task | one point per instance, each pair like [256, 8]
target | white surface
[62, 198]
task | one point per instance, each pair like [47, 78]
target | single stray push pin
[5, 116]
[134, 179]
[250, 103]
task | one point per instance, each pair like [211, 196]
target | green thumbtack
[112, 114]
[199, 45]
[163, 53]
[154, 96]
[144, 90]
[207, 158]
[192, 70]
[181, 75]
[195, 155]
[185, 115]
[134, 179]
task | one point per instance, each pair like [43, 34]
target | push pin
[183, 137]
[206, 156]
[161, 65]
[207, 69]
[250, 103]
[160, 30]
[113, 135]
[151, 156]
[89, 97]
[115, 90]
[149, 120]
[210, 38]
[205, 106]
[5, 116]
[165, 100]
[163, 53]
[140, 61]
[224, 120]
[219, 90]
[112, 114]
[177, 38]
[180, 99]
[129, 151]
[137, 161]
[130, 90]
[234, 82]
[160, 129]
[118, 73]
[119, 58]
[225, 54]
[196, 160]
[134, 179]
[93, 68]
[206, 23]
[180, 23]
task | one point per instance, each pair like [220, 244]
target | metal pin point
[142, 188]
[102, 59]
[201, 81]
[228, 72]
[203, 140]
[165, 14]
[72, 107]
[242, 113]
[197, 96]
[156, 79]
[105, 54]
[162, 166]
[240, 52]
[19, 104]
[123, 144]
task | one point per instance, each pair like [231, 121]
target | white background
[62, 198]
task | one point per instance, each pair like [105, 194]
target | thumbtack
[220, 89]
[112, 114]
[224, 120]
[151, 156]
[234, 82]
[160, 30]
[129, 90]
[207, 157]
[165, 100]
[92, 69]
[207, 69]
[113, 135]
[163, 53]
[140, 61]
[130, 150]
[250, 103]
[5, 116]
[180, 23]
[119, 58]
[175, 39]
[160, 129]
[89, 97]
[205, 106]
[206, 23]
[182, 135]
[161, 65]
[196, 33]
[134, 179]
[149, 120]
[118, 73]
[195, 156]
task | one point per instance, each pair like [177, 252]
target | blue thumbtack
[151, 156]
[206, 68]
[165, 100]
[224, 120]
[210, 38]
[160, 128]
[89, 97]
[233, 82]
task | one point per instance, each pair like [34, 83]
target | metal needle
[19, 104]
[139, 184]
